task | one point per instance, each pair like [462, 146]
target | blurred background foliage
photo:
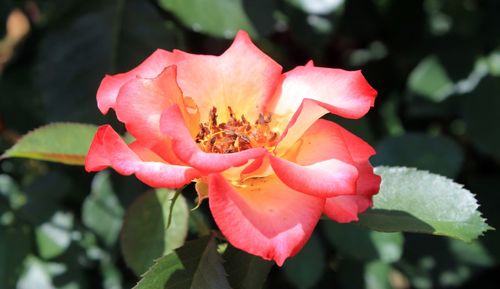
[435, 64]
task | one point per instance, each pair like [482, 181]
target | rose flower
[251, 138]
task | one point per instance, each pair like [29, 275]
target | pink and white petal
[323, 179]
[345, 209]
[186, 149]
[243, 77]
[345, 93]
[327, 139]
[368, 182]
[306, 115]
[307, 93]
[141, 101]
[326, 142]
[264, 217]
[108, 149]
[149, 68]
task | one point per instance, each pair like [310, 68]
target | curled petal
[173, 125]
[264, 217]
[140, 104]
[323, 179]
[108, 149]
[345, 93]
[326, 139]
[320, 162]
[150, 68]
[307, 114]
[141, 101]
[344, 209]
[307, 93]
[243, 77]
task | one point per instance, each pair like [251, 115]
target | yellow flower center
[236, 134]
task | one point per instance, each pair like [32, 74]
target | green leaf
[102, 211]
[245, 271]
[14, 247]
[195, 265]
[128, 31]
[66, 143]
[222, 18]
[54, 237]
[437, 154]
[145, 236]
[36, 275]
[12, 192]
[429, 79]
[417, 201]
[362, 244]
[306, 269]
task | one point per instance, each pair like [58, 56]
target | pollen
[236, 134]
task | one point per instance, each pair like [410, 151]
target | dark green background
[435, 64]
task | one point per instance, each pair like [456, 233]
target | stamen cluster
[236, 134]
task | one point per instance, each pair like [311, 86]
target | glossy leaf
[102, 211]
[66, 143]
[145, 235]
[418, 201]
[195, 265]
[245, 271]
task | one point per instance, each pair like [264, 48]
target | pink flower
[249, 136]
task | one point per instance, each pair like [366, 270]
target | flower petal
[265, 217]
[307, 114]
[141, 102]
[346, 208]
[243, 77]
[149, 68]
[108, 149]
[322, 179]
[307, 93]
[327, 140]
[172, 124]
[345, 93]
